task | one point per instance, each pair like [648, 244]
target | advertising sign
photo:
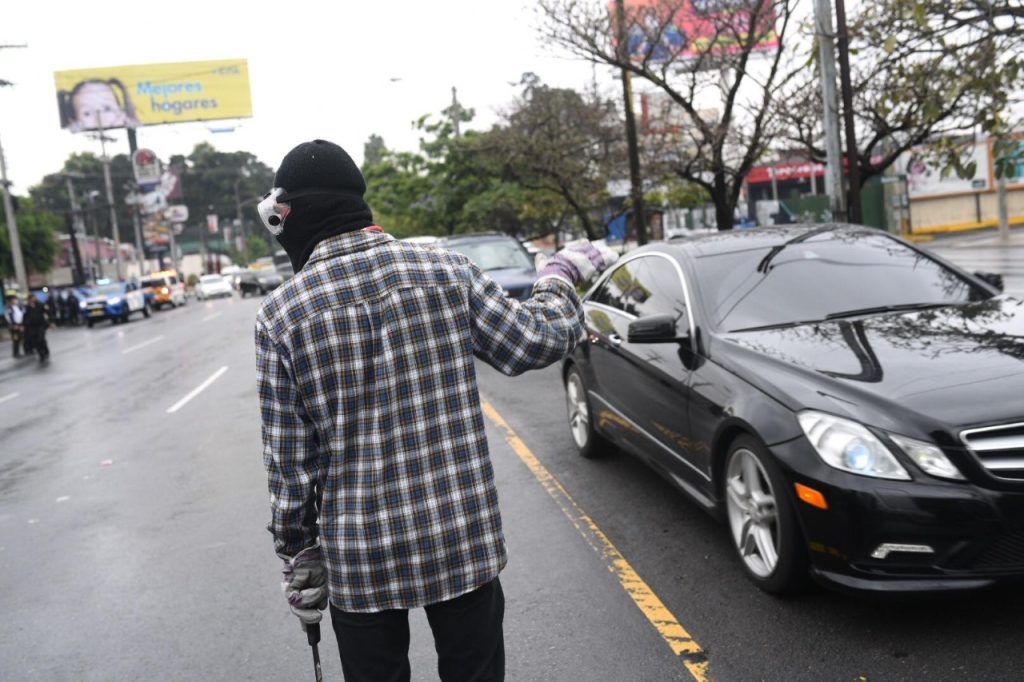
[149, 94]
[666, 30]
[926, 181]
[212, 223]
[156, 234]
[177, 213]
[147, 167]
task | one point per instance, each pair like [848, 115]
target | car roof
[758, 237]
[476, 237]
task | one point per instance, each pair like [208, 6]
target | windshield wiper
[775, 325]
[775, 250]
[885, 309]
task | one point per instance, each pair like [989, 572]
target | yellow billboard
[150, 94]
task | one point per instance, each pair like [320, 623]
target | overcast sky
[317, 69]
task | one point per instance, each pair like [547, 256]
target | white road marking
[63, 498]
[202, 387]
[139, 346]
[12, 396]
[210, 317]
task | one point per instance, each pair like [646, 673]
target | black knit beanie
[324, 188]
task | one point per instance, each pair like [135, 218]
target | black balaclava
[329, 189]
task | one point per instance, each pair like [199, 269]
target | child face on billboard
[96, 105]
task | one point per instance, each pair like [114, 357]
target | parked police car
[114, 301]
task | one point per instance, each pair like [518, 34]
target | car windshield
[151, 283]
[211, 279]
[107, 290]
[494, 254]
[827, 276]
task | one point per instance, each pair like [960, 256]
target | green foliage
[36, 234]
[256, 246]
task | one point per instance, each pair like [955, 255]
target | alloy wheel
[753, 512]
[579, 413]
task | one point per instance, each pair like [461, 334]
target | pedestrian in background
[382, 491]
[16, 322]
[73, 309]
[37, 321]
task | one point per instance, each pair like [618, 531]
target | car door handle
[615, 339]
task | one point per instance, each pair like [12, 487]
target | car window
[826, 274]
[494, 254]
[648, 285]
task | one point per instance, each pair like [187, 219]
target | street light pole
[12, 228]
[852, 161]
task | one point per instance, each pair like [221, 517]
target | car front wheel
[589, 443]
[762, 520]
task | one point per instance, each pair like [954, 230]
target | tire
[88, 323]
[761, 519]
[589, 443]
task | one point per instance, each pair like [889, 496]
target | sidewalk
[982, 239]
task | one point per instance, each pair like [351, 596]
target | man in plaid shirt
[381, 486]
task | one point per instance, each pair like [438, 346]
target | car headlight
[113, 301]
[927, 456]
[850, 446]
[83, 305]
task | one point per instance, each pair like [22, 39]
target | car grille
[1000, 449]
[1006, 553]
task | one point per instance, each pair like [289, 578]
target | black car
[258, 282]
[844, 401]
[500, 256]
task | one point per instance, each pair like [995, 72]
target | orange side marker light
[811, 496]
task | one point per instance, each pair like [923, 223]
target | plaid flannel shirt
[373, 436]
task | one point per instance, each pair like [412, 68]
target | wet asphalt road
[132, 543]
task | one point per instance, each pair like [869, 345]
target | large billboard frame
[153, 94]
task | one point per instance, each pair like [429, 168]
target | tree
[924, 71]
[86, 169]
[226, 184]
[557, 141]
[374, 151]
[735, 53]
[36, 230]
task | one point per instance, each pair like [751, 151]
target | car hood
[102, 298]
[954, 366]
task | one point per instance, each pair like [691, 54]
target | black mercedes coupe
[848, 404]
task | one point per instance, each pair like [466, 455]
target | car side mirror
[654, 329]
[993, 278]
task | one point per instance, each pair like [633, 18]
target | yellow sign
[150, 94]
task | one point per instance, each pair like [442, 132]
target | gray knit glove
[578, 262]
[304, 581]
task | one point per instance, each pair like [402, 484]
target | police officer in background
[381, 487]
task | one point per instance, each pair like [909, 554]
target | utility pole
[1004, 213]
[827, 53]
[12, 229]
[110, 197]
[74, 223]
[852, 164]
[456, 113]
[635, 182]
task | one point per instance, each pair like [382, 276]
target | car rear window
[826, 274]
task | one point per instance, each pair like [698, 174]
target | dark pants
[467, 631]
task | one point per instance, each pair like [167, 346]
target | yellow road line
[674, 634]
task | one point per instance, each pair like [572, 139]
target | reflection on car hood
[959, 365]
